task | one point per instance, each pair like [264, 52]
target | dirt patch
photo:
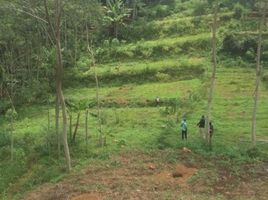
[144, 176]
[120, 101]
[179, 176]
[89, 196]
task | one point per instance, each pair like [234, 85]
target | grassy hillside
[172, 63]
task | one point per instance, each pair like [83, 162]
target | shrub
[83, 62]
[4, 139]
[254, 152]
[168, 136]
[231, 44]
[4, 105]
[249, 43]
[265, 58]
[162, 76]
[200, 8]
[238, 11]
[115, 42]
[239, 45]
[159, 11]
[265, 79]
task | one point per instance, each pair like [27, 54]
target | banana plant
[116, 14]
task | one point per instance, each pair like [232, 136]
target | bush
[231, 44]
[115, 42]
[162, 76]
[249, 43]
[239, 45]
[4, 105]
[4, 139]
[265, 57]
[256, 153]
[200, 8]
[168, 135]
[238, 11]
[159, 11]
[84, 62]
[265, 79]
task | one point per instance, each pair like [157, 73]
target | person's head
[184, 119]
[203, 116]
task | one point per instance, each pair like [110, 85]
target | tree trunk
[70, 125]
[65, 35]
[116, 29]
[76, 126]
[86, 128]
[213, 77]
[75, 44]
[48, 130]
[64, 121]
[57, 116]
[258, 79]
[12, 137]
[101, 137]
[11, 120]
[135, 10]
[59, 76]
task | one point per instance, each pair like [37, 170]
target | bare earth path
[144, 176]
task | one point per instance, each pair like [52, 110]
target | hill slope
[144, 157]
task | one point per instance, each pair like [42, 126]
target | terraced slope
[171, 64]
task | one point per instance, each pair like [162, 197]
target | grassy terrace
[168, 42]
[141, 72]
[139, 66]
[164, 47]
[171, 63]
[135, 95]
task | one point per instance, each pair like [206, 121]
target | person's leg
[182, 135]
[210, 134]
[203, 133]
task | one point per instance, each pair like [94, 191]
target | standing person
[184, 129]
[157, 100]
[201, 125]
[211, 129]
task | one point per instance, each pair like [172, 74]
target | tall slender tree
[59, 77]
[56, 34]
[262, 12]
[213, 75]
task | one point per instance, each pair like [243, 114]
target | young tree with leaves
[213, 75]
[262, 15]
[56, 34]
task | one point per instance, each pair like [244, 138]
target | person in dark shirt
[211, 129]
[201, 125]
[184, 129]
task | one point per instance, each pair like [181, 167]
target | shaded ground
[161, 175]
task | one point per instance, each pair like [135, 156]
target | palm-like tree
[116, 13]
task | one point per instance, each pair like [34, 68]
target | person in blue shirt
[184, 129]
